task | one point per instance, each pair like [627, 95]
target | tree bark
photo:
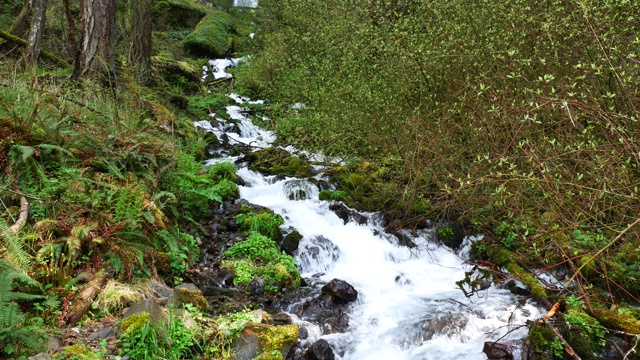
[21, 25]
[71, 33]
[140, 38]
[35, 34]
[84, 297]
[98, 18]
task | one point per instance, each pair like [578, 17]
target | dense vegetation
[517, 118]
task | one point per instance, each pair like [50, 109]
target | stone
[162, 293]
[105, 333]
[341, 292]
[188, 293]
[281, 319]
[347, 215]
[497, 351]
[451, 234]
[54, 345]
[256, 286]
[156, 314]
[320, 350]
[262, 341]
[291, 242]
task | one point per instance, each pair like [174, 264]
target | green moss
[624, 320]
[202, 106]
[76, 352]
[278, 162]
[541, 339]
[277, 341]
[335, 195]
[177, 14]
[211, 36]
[134, 322]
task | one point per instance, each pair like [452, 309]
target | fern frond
[14, 246]
[50, 148]
[23, 151]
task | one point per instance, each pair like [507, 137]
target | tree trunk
[140, 38]
[35, 34]
[98, 18]
[71, 33]
[21, 25]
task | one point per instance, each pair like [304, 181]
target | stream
[408, 304]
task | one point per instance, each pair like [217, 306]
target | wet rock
[451, 234]
[262, 341]
[187, 293]
[105, 333]
[299, 189]
[498, 351]
[343, 321]
[319, 350]
[281, 319]
[256, 287]
[291, 242]
[341, 292]
[615, 347]
[347, 214]
[516, 288]
[447, 324]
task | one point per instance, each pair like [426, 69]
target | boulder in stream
[320, 350]
[341, 292]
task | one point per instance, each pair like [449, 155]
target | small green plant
[445, 232]
[556, 348]
[259, 256]
[77, 352]
[228, 328]
[142, 340]
[266, 223]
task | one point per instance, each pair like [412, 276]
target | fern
[14, 247]
[16, 331]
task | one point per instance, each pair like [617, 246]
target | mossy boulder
[265, 342]
[177, 76]
[187, 293]
[276, 161]
[177, 14]
[211, 37]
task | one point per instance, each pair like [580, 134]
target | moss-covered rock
[178, 78]
[540, 342]
[276, 161]
[177, 14]
[76, 352]
[264, 342]
[211, 37]
[188, 293]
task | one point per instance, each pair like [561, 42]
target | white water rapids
[408, 306]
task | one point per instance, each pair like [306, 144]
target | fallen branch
[22, 219]
[545, 321]
[24, 43]
[84, 297]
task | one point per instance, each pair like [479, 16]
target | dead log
[83, 299]
[22, 219]
[24, 43]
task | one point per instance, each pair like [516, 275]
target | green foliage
[337, 195]
[259, 256]
[14, 247]
[203, 106]
[18, 333]
[228, 328]
[142, 340]
[211, 35]
[223, 170]
[266, 223]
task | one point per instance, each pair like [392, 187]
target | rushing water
[408, 305]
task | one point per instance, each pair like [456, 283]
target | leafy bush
[259, 256]
[266, 223]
